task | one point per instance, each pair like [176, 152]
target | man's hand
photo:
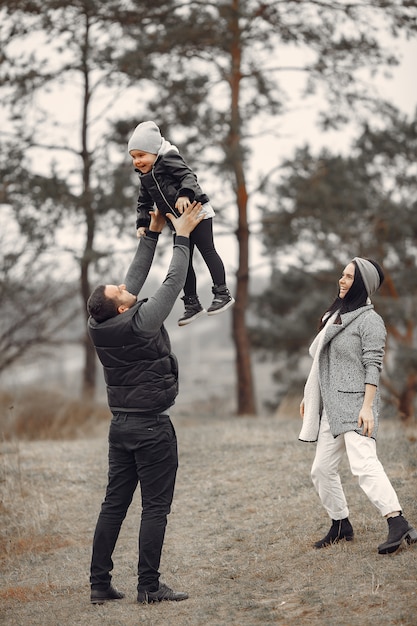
[302, 408]
[141, 232]
[188, 220]
[157, 221]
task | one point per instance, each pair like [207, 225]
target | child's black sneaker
[193, 310]
[222, 300]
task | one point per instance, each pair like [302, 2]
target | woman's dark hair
[99, 306]
[357, 295]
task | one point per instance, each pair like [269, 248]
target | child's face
[143, 161]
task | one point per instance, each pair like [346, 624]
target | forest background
[291, 114]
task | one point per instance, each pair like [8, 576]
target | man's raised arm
[142, 261]
[152, 314]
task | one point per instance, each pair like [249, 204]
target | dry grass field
[239, 537]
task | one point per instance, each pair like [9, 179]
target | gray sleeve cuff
[182, 241]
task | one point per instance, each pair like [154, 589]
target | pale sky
[292, 130]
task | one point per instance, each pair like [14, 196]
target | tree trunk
[90, 362]
[245, 390]
[407, 397]
[404, 337]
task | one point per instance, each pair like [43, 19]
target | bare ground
[239, 537]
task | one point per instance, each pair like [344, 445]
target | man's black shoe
[98, 596]
[163, 593]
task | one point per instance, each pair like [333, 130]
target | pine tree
[78, 47]
[225, 83]
[330, 209]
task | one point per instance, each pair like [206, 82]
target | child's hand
[182, 203]
[141, 232]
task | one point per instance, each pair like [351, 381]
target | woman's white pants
[364, 463]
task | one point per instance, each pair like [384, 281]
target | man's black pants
[141, 449]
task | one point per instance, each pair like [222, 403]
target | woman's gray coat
[351, 356]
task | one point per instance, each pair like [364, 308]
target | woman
[341, 402]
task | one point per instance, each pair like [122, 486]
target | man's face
[123, 298]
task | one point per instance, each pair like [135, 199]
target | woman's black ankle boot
[398, 530]
[340, 529]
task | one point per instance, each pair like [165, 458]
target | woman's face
[346, 279]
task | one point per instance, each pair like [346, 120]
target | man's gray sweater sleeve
[141, 264]
[153, 313]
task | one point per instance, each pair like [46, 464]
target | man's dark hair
[99, 306]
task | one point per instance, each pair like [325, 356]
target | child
[167, 181]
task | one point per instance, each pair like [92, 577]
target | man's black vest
[140, 371]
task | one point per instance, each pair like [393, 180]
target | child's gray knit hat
[146, 137]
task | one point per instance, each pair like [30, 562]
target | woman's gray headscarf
[369, 275]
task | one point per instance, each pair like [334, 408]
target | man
[141, 376]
